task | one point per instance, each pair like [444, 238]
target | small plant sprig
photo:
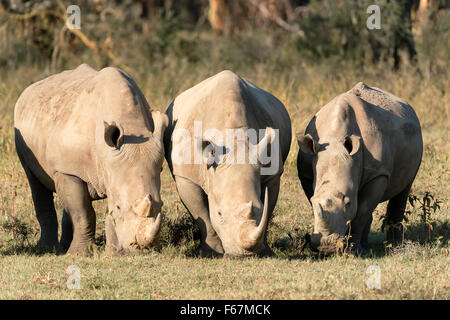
[428, 205]
[19, 230]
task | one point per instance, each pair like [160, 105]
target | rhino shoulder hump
[227, 74]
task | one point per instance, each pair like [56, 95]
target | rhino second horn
[143, 209]
[252, 239]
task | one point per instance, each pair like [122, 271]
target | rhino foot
[46, 246]
[82, 250]
[359, 251]
[394, 235]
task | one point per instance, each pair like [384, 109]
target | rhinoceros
[87, 135]
[362, 148]
[230, 193]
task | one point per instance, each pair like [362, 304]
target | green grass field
[416, 270]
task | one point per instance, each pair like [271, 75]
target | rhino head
[237, 211]
[131, 159]
[337, 166]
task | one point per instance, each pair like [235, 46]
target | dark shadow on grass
[417, 232]
[291, 247]
[28, 249]
[181, 233]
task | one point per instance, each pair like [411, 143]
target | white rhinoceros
[229, 185]
[87, 135]
[362, 148]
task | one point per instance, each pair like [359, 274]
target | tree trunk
[218, 10]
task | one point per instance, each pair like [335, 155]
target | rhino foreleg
[45, 212]
[67, 231]
[368, 199]
[75, 197]
[196, 202]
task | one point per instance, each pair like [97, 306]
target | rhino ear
[161, 121]
[269, 137]
[208, 153]
[352, 144]
[113, 135]
[307, 144]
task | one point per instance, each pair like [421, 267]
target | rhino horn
[143, 209]
[148, 231]
[251, 237]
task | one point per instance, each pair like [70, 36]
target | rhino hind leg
[67, 232]
[196, 202]
[75, 197]
[45, 212]
[395, 212]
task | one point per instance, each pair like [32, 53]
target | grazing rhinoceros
[362, 148]
[87, 135]
[230, 186]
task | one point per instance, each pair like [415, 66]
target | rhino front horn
[252, 235]
[148, 231]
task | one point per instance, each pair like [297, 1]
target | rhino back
[226, 101]
[57, 120]
[400, 132]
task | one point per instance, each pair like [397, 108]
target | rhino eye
[220, 216]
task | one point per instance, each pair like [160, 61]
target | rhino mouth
[263, 251]
[325, 244]
[146, 235]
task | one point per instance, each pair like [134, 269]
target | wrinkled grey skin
[87, 135]
[362, 148]
[228, 200]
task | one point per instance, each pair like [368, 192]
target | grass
[416, 270]
[412, 272]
